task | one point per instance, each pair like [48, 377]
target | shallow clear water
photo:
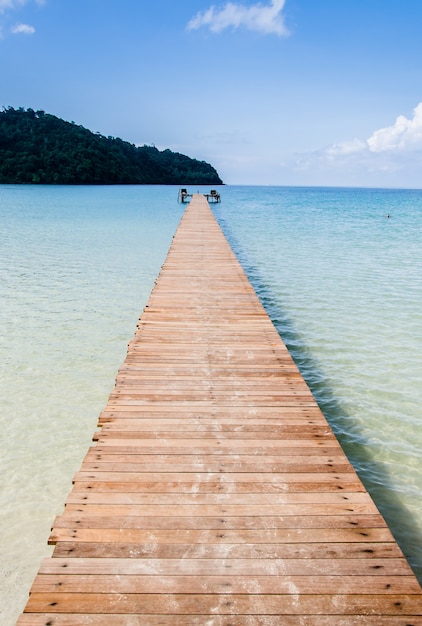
[341, 281]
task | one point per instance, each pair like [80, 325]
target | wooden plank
[219, 498]
[209, 463]
[225, 604]
[215, 492]
[62, 619]
[282, 480]
[309, 585]
[81, 520]
[235, 567]
[188, 483]
[219, 445]
[169, 545]
[216, 510]
[357, 537]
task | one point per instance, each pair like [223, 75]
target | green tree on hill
[36, 147]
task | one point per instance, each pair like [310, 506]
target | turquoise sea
[340, 279]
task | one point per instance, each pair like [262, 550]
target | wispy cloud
[15, 4]
[10, 4]
[6, 9]
[267, 19]
[23, 29]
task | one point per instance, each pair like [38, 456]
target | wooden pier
[215, 493]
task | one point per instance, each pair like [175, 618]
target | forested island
[37, 147]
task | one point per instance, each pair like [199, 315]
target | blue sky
[283, 92]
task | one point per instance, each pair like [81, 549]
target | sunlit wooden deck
[215, 492]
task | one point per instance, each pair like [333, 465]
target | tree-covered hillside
[36, 147]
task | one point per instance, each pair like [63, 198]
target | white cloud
[7, 6]
[404, 134]
[258, 17]
[15, 4]
[23, 29]
[345, 148]
[391, 156]
[386, 147]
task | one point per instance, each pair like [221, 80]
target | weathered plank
[142, 619]
[224, 604]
